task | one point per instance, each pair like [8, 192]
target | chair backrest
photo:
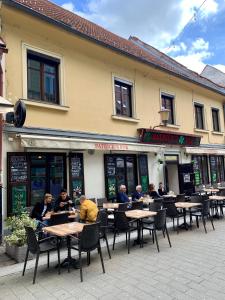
[100, 201]
[32, 242]
[205, 207]
[92, 199]
[59, 218]
[159, 200]
[204, 197]
[195, 199]
[222, 193]
[102, 218]
[137, 205]
[120, 220]
[155, 206]
[124, 206]
[160, 219]
[171, 210]
[89, 237]
[180, 198]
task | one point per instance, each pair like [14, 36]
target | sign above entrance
[150, 136]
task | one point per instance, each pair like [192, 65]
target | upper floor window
[215, 119]
[42, 77]
[123, 98]
[168, 103]
[199, 116]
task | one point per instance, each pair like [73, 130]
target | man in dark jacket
[64, 202]
[138, 193]
[121, 195]
[41, 208]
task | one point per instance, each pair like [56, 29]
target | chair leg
[177, 225]
[197, 222]
[35, 269]
[211, 219]
[173, 224]
[100, 253]
[167, 234]
[128, 242]
[114, 240]
[126, 238]
[80, 263]
[58, 253]
[203, 221]
[48, 258]
[88, 258]
[107, 245]
[25, 262]
[156, 239]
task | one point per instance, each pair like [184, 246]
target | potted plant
[16, 240]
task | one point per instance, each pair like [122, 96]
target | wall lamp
[164, 116]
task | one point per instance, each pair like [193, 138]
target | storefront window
[216, 168]
[200, 166]
[122, 169]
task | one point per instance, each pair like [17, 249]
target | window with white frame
[168, 103]
[123, 98]
[216, 119]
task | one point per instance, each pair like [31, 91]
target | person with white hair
[138, 193]
[121, 195]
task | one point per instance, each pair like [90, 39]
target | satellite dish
[17, 117]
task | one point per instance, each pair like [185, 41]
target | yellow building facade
[85, 103]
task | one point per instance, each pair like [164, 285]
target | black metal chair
[203, 213]
[59, 218]
[124, 206]
[158, 224]
[102, 219]
[173, 213]
[100, 202]
[155, 206]
[180, 198]
[137, 205]
[122, 224]
[38, 247]
[89, 240]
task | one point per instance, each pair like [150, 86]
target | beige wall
[87, 89]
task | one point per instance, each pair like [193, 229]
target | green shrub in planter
[16, 240]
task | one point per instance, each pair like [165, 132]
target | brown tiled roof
[78, 25]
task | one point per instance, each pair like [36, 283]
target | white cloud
[69, 6]
[194, 60]
[200, 44]
[220, 67]
[155, 22]
[175, 48]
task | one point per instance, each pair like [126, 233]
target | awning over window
[50, 142]
[199, 150]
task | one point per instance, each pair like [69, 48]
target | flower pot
[17, 253]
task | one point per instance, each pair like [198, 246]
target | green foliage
[16, 225]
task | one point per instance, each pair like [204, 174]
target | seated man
[41, 208]
[121, 195]
[138, 193]
[88, 210]
[64, 202]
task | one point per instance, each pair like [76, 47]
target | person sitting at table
[161, 190]
[138, 193]
[88, 210]
[42, 208]
[152, 192]
[63, 202]
[121, 195]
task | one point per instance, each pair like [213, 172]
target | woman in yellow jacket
[88, 210]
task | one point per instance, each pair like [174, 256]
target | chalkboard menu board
[197, 171]
[111, 166]
[18, 169]
[19, 197]
[76, 172]
[213, 168]
[143, 172]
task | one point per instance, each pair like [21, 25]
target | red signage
[151, 136]
[105, 146]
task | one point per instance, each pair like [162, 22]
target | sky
[190, 31]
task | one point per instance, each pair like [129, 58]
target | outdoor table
[139, 214]
[72, 214]
[212, 191]
[169, 196]
[66, 230]
[185, 206]
[110, 205]
[217, 199]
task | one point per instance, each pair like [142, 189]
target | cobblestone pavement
[194, 268]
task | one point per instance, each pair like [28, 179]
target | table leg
[69, 261]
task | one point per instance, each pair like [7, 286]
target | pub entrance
[171, 173]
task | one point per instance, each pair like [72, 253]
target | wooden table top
[211, 190]
[169, 196]
[186, 204]
[146, 200]
[217, 198]
[72, 215]
[110, 205]
[140, 214]
[65, 229]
